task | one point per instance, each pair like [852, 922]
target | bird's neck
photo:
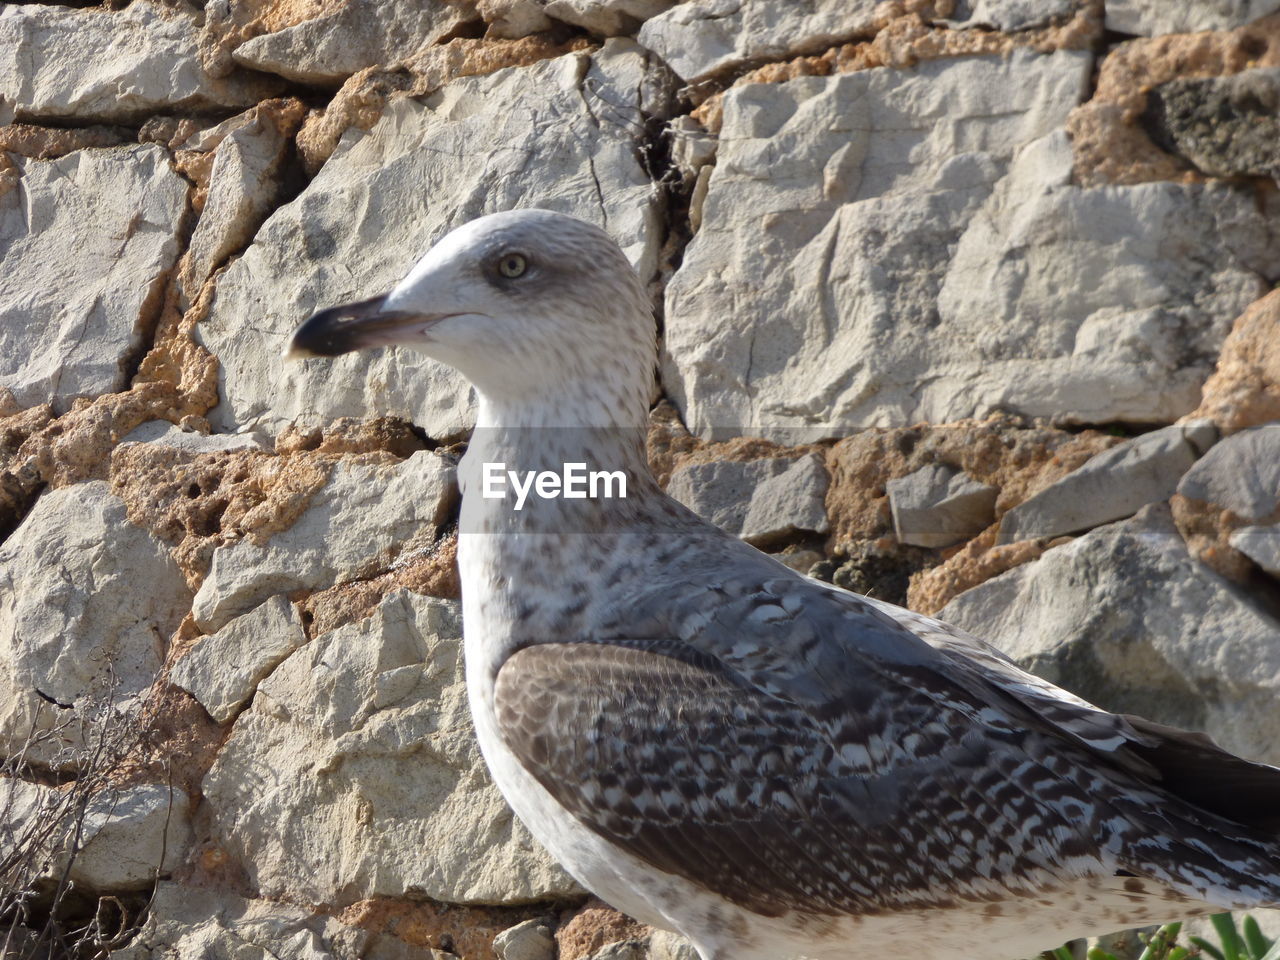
[555, 466]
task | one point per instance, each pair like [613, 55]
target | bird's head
[520, 303]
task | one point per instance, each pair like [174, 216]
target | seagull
[722, 747]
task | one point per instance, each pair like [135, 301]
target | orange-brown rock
[1016, 458]
[1110, 146]
[671, 446]
[1244, 390]
[198, 502]
[46, 143]
[593, 925]
[347, 435]
[973, 563]
[177, 378]
[465, 931]
[431, 570]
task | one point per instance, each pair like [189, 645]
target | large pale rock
[870, 255]
[1096, 305]
[243, 185]
[1151, 18]
[132, 835]
[112, 66]
[938, 505]
[85, 245]
[123, 838]
[789, 502]
[612, 18]
[385, 197]
[224, 669]
[87, 603]
[165, 434]
[1126, 618]
[1241, 474]
[30, 819]
[351, 528]
[355, 774]
[1261, 545]
[670, 946]
[531, 940]
[188, 922]
[757, 500]
[1112, 485]
[704, 37]
[1011, 15]
[329, 48]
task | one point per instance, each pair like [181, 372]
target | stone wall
[966, 304]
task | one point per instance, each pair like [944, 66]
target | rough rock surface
[849, 314]
[1108, 136]
[243, 184]
[353, 527]
[758, 500]
[112, 66]
[363, 98]
[118, 839]
[1153, 17]
[213, 925]
[327, 49]
[937, 506]
[223, 669]
[384, 198]
[1242, 474]
[703, 37]
[610, 18]
[1244, 390]
[1261, 545]
[1010, 15]
[1222, 126]
[131, 836]
[1237, 484]
[355, 774]
[1128, 619]
[76, 633]
[166, 434]
[531, 940]
[86, 243]
[1115, 484]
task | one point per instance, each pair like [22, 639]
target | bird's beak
[356, 326]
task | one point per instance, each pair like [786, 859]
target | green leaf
[1225, 926]
[1062, 953]
[1273, 953]
[1208, 948]
[1253, 938]
[1097, 953]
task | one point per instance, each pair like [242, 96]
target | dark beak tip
[331, 332]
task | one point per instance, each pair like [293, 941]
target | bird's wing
[695, 770]
[1188, 764]
[814, 754]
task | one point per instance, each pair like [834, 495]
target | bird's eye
[512, 265]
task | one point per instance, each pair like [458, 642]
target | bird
[722, 747]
